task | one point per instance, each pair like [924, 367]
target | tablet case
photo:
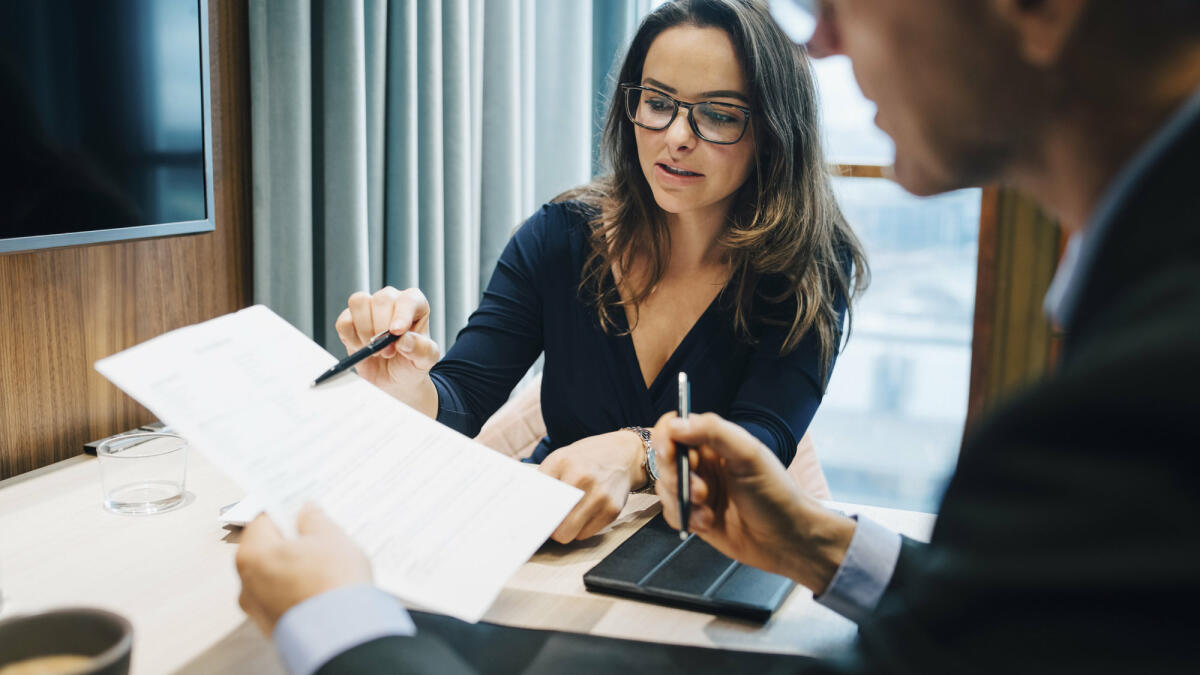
[655, 566]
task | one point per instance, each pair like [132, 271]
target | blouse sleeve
[504, 335]
[780, 394]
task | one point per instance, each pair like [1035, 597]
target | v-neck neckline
[625, 337]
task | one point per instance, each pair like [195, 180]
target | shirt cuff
[323, 626]
[864, 573]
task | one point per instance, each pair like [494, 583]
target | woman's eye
[720, 116]
[658, 104]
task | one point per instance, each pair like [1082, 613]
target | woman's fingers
[347, 332]
[360, 311]
[411, 312]
[419, 349]
[385, 303]
[570, 527]
[389, 310]
[595, 511]
[602, 517]
[592, 513]
[552, 466]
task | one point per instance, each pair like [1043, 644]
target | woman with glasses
[713, 247]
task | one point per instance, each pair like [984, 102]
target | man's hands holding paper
[606, 467]
[744, 503]
[402, 368]
[278, 573]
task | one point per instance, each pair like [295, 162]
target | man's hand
[278, 574]
[606, 468]
[744, 503]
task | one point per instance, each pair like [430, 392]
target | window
[848, 119]
[889, 428]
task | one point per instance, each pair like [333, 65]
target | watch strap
[648, 463]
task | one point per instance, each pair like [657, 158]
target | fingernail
[407, 342]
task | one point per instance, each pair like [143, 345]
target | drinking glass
[143, 473]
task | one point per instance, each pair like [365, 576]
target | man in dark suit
[1068, 538]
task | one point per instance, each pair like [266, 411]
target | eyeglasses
[720, 123]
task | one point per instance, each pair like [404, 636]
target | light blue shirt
[864, 573]
[318, 629]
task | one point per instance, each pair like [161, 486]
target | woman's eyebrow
[721, 93]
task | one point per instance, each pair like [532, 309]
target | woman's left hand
[606, 468]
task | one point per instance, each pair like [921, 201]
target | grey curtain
[400, 142]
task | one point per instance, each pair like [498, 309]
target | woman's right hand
[402, 368]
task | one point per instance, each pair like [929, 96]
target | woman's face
[694, 64]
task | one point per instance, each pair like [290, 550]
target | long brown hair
[784, 222]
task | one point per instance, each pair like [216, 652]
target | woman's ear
[1042, 27]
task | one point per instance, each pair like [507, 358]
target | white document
[444, 520]
[240, 513]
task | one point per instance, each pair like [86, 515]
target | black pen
[377, 345]
[682, 465]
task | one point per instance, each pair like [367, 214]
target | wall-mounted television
[105, 131]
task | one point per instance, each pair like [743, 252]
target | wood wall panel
[1013, 343]
[61, 310]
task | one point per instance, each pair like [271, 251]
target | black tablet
[655, 566]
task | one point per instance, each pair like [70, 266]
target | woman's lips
[667, 174]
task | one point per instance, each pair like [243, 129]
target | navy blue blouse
[592, 383]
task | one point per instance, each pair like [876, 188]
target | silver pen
[682, 465]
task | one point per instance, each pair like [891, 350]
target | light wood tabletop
[172, 575]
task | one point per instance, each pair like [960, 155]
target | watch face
[651, 465]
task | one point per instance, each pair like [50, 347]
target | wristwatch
[648, 463]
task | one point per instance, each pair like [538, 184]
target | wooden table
[172, 575]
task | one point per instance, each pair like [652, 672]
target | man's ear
[1042, 27]
[826, 39]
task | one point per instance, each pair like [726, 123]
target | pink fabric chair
[517, 427]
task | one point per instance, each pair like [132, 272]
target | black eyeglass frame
[630, 87]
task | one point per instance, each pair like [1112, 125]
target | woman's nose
[679, 134]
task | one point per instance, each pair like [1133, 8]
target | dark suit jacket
[1069, 537]
[1068, 540]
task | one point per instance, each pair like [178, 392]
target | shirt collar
[1083, 246]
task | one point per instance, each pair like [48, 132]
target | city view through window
[889, 427]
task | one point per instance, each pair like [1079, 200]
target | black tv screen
[104, 124]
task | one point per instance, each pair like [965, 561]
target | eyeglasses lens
[715, 122]
[720, 123]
